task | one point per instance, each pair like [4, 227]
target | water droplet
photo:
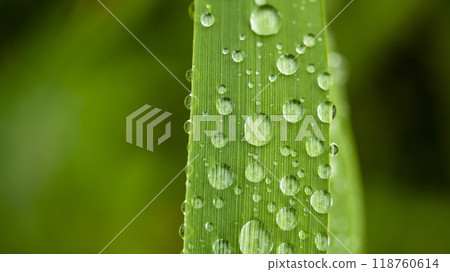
[324, 171]
[220, 176]
[265, 20]
[185, 207]
[293, 153]
[334, 149]
[224, 106]
[255, 172]
[256, 197]
[181, 231]
[293, 111]
[225, 51]
[251, 84]
[271, 207]
[301, 173]
[302, 235]
[295, 163]
[285, 150]
[191, 10]
[325, 81]
[289, 185]
[237, 190]
[209, 226]
[249, 71]
[238, 55]
[219, 140]
[300, 49]
[272, 78]
[279, 46]
[242, 37]
[258, 129]
[207, 19]
[188, 102]
[187, 126]
[309, 41]
[287, 218]
[308, 190]
[222, 89]
[255, 238]
[322, 241]
[268, 180]
[260, 2]
[189, 75]
[311, 68]
[285, 248]
[197, 202]
[326, 111]
[321, 201]
[218, 202]
[287, 64]
[313, 147]
[221, 246]
[259, 44]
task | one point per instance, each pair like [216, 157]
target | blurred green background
[70, 74]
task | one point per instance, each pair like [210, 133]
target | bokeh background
[70, 74]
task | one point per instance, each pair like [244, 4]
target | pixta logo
[144, 118]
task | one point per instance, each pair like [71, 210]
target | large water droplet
[289, 185]
[321, 201]
[258, 129]
[293, 111]
[238, 55]
[265, 20]
[322, 241]
[219, 140]
[325, 81]
[287, 64]
[255, 238]
[324, 171]
[255, 172]
[285, 248]
[224, 106]
[220, 176]
[313, 147]
[207, 19]
[309, 41]
[326, 111]
[287, 218]
[221, 246]
[187, 126]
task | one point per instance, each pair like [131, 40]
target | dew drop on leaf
[325, 81]
[324, 171]
[287, 218]
[219, 140]
[224, 106]
[322, 241]
[293, 111]
[321, 201]
[313, 147]
[287, 64]
[255, 172]
[285, 248]
[255, 238]
[220, 176]
[289, 185]
[258, 129]
[238, 55]
[207, 19]
[326, 111]
[221, 246]
[265, 20]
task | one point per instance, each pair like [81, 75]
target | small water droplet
[255, 238]
[242, 37]
[285, 248]
[321, 201]
[301, 173]
[189, 75]
[255, 172]
[238, 55]
[259, 44]
[309, 40]
[225, 51]
[300, 49]
[293, 111]
[256, 197]
[218, 202]
[287, 218]
[295, 163]
[271, 207]
[219, 140]
[313, 147]
[334, 149]
[287, 64]
[293, 153]
[188, 102]
[285, 150]
[322, 241]
[187, 126]
[237, 190]
[258, 129]
[185, 207]
[224, 106]
[197, 202]
[325, 81]
[207, 19]
[311, 68]
[289, 185]
[272, 78]
[220, 176]
[221, 89]
[279, 46]
[308, 190]
[324, 171]
[181, 231]
[209, 226]
[260, 2]
[251, 84]
[265, 20]
[302, 235]
[249, 71]
[326, 111]
[221, 246]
